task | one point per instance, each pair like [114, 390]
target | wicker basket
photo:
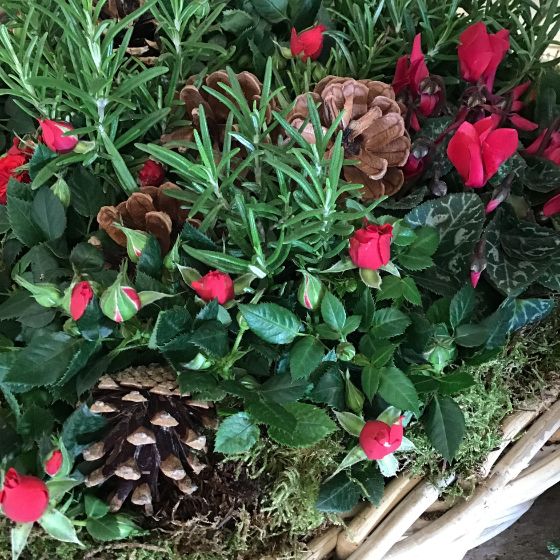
[412, 523]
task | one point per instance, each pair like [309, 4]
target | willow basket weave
[411, 523]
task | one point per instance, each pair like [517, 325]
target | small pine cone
[149, 210]
[216, 112]
[155, 449]
[374, 130]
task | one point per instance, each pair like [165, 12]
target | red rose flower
[480, 53]
[552, 206]
[54, 463]
[54, 136]
[24, 499]
[370, 247]
[214, 285]
[307, 44]
[82, 294]
[152, 174]
[378, 439]
[8, 165]
[550, 152]
[478, 150]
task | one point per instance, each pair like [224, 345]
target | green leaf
[397, 389]
[35, 423]
[112, 528]
[87, 195]
[48, 213]
[220, 261]
[236, 21]
[212, 337]
[271, 322]
[371, 377]
[43, 361]
[410, 291]
[372, 482]
[330, 389]
[60, 486]
[271, 414]
[458, 218]
[305, 356]
[41, 156]
[273, 11]
[304, 12]
[79, 429]
[350, 422]
[455, 382]
[337, 495]
[86, 258]
[19, 215]
[19, 537]
[528, 311]
[365, 308]
[333, 313]
[391, 288]
[236, 434]
[169, 324]
[471, 335]
[313, 424]
[95, 508]
[283, 389]
[388, 466]
[388, 322]
[462, 305]
[445, 425]
[59, 527]
[415, 262]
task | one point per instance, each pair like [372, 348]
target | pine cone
[374, 130]
[155, 449]
[149, 210]
[216, 112]
[143, 42]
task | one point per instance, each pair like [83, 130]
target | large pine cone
[216, 112]
[149, 210]
[155, 449]
[374, 130]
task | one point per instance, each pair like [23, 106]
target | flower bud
[62, 191]
[152, 174]
[438, 187]
[54, 136]
[120, 302]
[345, 351]
[136, 241]
[478, 262]
[81, 295]
[310, 292]
[354, 397]
[47, 295]
[499, 195]
[54, 463]
[24, 499]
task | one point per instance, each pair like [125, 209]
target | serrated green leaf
[283, 389]
[397, 389]
[462, 305]
[371, 481]
[445, 425]
[455, 382]
[95, 508]
[410, 291]
[236, 434]
[388, 322]
[339, 494]
[313, 424]
[371, 376]
[333, 313]
[271, 322]
[212, 337]
[350, 422]
[112, 528]
[329, 389]
[19, 215]
[48, 213]
[273, 11]
[305, 356]
[271, 414]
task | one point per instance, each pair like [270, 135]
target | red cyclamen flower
[552, 206]
[378, 439]
[480, 53]
[54, 462]
[82, 294]
[307, 44]
[53, 136]
[551, 152]
[24, 499]
[152, 174]
[478, 150]
[215, 285]
[370, 247]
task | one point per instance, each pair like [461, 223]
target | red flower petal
[552, 206]
[499, 146]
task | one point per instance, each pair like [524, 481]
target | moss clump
[522, 373]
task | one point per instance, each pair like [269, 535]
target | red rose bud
[54, 136]
[214, 285]
[8, 170]
[82, 294]
[310, 291]
[478, 262]
[307, 44]
[480, 53]
[378, 439]
[152, 174]
[135, 242]
[370, 247]
[24, 499]
[552, 206]
[478, 150]
[120, 302]
[54, 463]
